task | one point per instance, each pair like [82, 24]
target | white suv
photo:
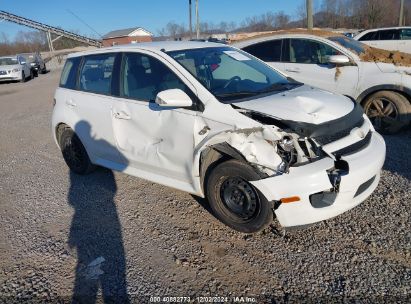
[390, 38]
[342, 65]
[214, 121]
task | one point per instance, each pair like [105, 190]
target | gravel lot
[109, 235]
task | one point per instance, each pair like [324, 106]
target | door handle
[70, 103]
[293, 70]
[121, 115]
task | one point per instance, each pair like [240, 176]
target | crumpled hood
[392, 68]
[303, 104]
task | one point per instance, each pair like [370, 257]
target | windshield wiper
[280, 87]
[235, 94]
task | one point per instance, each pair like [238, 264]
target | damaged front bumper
[310, 181]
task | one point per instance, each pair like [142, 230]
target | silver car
[36, 63]
[14, 68]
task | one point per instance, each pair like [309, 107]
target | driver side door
[157, 141]
[306, 60]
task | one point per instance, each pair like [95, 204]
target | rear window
[69, 73]
[406, 34]
[267, 51]
[96, 73]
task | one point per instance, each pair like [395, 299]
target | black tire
[36, 73]
[234, 201]
[31, 74]
[74, 153]
[388, 111]
[44, 70]
[23, 77]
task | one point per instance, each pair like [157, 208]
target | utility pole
[401, 21]
[197, 22]
[309, 14]
[190, 17]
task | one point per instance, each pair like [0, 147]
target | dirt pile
[378, 55]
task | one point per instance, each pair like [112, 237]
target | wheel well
[215, 155]
[59, 130]
[365, 97]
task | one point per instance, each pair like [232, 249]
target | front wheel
[233, 199]
[23, 77]
[388, 111]
[74, 153]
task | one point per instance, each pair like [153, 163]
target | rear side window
[369, 36]
[96, 73]
[389, 35]
[406, 34]
[69, 73]
[267, 51]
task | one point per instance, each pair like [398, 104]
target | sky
[105, 16]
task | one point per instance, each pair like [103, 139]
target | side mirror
[173, 98]
[338, 59]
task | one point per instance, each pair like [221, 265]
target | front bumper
[304, 181]
[11, 76]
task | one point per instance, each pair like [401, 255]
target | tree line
[350, 14]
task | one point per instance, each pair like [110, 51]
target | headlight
[15, 70]
[33, 63]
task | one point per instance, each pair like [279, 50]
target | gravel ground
[111, 236]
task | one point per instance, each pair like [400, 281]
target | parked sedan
[14, 68]
[345, 66]
[214, 121]
[390, 38]
[36, 63]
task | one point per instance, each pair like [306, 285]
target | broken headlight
[287, 152]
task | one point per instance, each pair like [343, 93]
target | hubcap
[382, 113]
[239, 197]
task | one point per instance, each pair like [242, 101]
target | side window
[143, 77]
[309, 51]
[69, 73]
[389, 35]
[96, 73]
[369, 36]
[406, 34]
[267, 51]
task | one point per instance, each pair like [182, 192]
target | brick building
[125, 36]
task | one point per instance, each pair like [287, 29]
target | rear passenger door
[91, 103]
[268, 51]
[158, 141]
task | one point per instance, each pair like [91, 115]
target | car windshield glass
[351, 44]
[231, 75]
[8, 61]
[29, 58]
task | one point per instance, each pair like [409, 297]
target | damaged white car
[216, 122]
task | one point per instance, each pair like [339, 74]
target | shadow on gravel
[398, 159]
[96, 234]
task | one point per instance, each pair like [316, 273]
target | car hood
[9, 67]
[303, 104]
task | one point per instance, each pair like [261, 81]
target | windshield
[29, 57]
[231, 75]
[351, 44]
[8, 61]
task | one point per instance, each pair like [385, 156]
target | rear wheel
[388, 111]
[74, 153]
[233, 199]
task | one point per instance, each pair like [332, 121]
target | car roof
[157, 46]
[383, 29]
[244, 43]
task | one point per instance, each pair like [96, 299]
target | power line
[82, 21]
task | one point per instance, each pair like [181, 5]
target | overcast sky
[104, 16]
